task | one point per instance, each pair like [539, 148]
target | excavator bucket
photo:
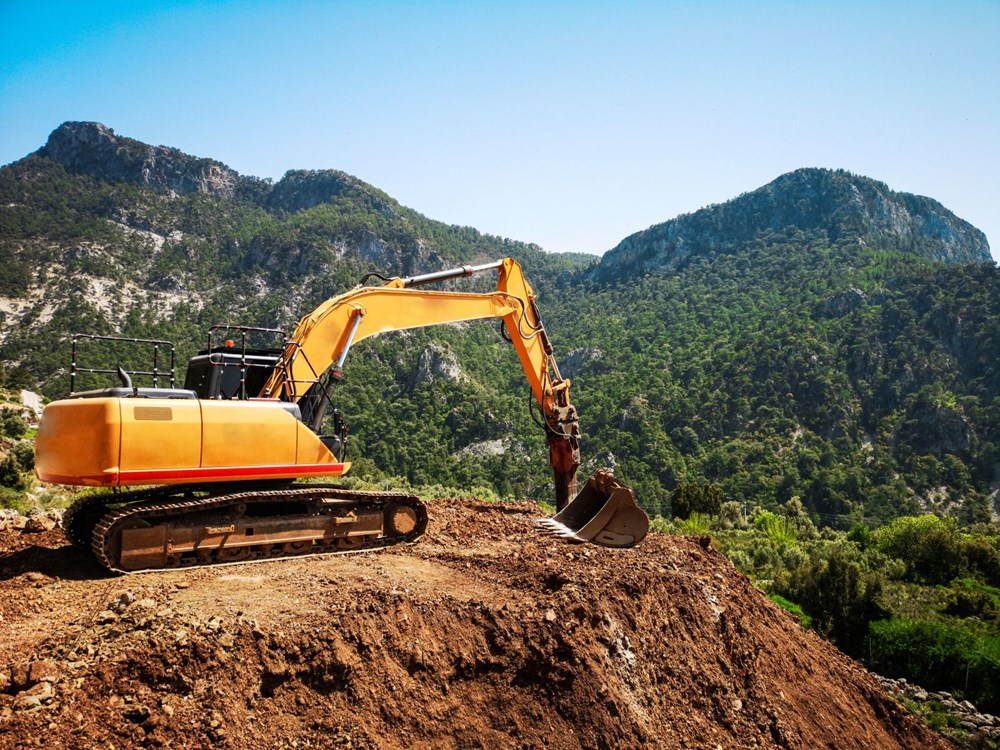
[603, 513]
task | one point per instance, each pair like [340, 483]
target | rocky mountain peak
[842, 205]
[95, 150]
[302, 189]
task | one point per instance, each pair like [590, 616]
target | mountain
[821, 338]
[90, 148]
[836, 203]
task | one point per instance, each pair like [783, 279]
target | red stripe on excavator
[232, 472]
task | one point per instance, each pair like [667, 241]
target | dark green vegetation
[864, 382]
[916, 598]
[823, 349]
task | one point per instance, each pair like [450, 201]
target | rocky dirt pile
[484, 634]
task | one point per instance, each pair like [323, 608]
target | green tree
[688, 498]
[839, 594]
[929, 546]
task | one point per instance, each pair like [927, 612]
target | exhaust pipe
[603, 513]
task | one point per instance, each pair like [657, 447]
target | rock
[44, 671]
[482, 448]
[919, 695]
[38, 524]
[813, 200]
[105, 617]
[571, 365]
[25, 702]
[19, 676]
[437, 362]
[93, 149]
[967, 706]
[43, 691]
[845, 302]
[122, 603]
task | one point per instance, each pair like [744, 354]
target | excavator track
[79, 519]
[168, 528]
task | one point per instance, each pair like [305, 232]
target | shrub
[840, 594]
[929, 546]
[10, 474]
[688, 498]
[697, 523]
[24, 453]
[13, 424]
[778, 529]
[968, 597]
[861, 535]
[939, 656]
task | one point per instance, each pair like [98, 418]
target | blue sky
[569, 124]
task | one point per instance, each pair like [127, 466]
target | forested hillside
[864, 382]
[808, 352]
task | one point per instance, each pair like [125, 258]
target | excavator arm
[313, 359]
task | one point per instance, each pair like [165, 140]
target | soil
[483, 634]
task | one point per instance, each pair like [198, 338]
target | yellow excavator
[215, 462]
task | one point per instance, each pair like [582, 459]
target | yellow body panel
[127, 441]
[77, 439]
[251, 433]
[159, 433]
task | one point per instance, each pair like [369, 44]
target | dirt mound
[483, 634]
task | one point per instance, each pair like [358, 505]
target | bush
[778, 529]
[792, 608]
[929, 546]
[688, 498]
[968, 597]
[982, 559]
[939, 656]
[731, 516]
[861, 536]
[839, 594]
[697, 524]
[10, 474]
[24, 453]
[13, 424]
[10, 498]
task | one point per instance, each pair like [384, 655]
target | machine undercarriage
[174, 527]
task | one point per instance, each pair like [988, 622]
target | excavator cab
[235, 367]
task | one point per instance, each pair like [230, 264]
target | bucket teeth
[557, 529]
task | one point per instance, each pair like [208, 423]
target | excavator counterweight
[221, 454]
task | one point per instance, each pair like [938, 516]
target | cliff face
[93, 149]
[837, 203]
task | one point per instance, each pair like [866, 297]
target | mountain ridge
[841, 205]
